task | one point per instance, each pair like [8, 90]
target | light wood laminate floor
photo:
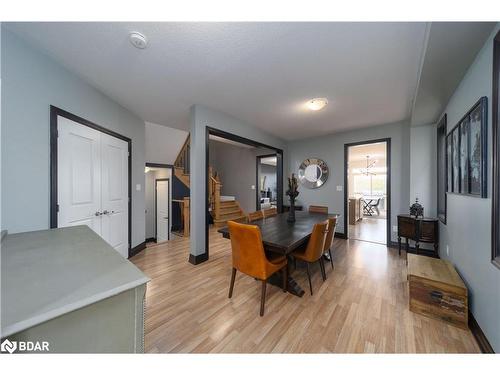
[361, 308]
[371, 229]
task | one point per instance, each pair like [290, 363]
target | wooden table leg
[291, 285]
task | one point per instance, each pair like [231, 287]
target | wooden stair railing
[182, 160]
[221, 211]
[214, 187]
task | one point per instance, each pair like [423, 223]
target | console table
[420, 230]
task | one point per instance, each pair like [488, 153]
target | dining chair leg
[285, 278]
[309, 277]
[263, 297]
[322, 267]
[331, 259]
[231, 286]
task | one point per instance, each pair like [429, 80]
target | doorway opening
[232, 180]
[158, 202]
[367, 192]
[266, 183]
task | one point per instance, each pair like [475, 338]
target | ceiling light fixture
[317, 104]
[138, 40]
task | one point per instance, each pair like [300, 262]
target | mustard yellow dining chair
[248, 257]
[313, 251]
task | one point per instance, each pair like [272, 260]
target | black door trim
[257, 175]
[236, 138]
[54, 112]
[156, 207]
[158, 165]
[388, 184]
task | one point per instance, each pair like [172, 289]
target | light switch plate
[253, 187]
[395, 228]
[339, 187]
[138, 187]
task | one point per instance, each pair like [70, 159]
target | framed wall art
[466, 153]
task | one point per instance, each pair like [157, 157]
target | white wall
[31, 83]
[467, 232]
[149, 190]
[163, 143]
[423, 168]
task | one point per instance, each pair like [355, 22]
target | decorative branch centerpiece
[292, 193]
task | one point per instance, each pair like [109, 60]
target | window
[370, 185]
[441, 170]
[495, 224]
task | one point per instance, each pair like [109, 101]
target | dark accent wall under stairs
[179, 191]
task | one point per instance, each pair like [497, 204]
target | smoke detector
[138, 40]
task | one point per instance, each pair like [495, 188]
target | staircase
[182, 163]
[182, 176]
[222, 210]
[181, 183]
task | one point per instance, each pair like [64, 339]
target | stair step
[226, 204]
[229, 210]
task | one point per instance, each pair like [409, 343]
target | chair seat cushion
[276, 259]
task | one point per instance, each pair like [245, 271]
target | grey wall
[467, 233]
[200, 118]
[423, 172]
[31, 83]
[237, 169]
[330, 148]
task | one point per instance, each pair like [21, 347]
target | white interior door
[114, 188]
[78, 175]
[92, 182]
[162, 214]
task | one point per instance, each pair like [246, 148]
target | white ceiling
[451, 48]
[261, 73]
[271, 160]
[358, 154]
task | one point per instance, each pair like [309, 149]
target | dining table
[283, 237]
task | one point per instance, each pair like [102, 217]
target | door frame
[257, 185]
[387, 141]
[156, 207]
[236, 138]
[54, 206]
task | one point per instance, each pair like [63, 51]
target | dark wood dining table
[280, 236]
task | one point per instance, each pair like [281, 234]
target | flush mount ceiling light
[317, 104]
[138, 40]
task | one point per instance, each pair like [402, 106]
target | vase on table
[291, 212]
[292, 193]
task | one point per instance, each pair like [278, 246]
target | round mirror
[313, 173]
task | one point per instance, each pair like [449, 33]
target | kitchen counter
[50, 273]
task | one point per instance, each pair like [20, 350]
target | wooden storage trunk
[436, 290]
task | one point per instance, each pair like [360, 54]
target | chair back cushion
[247, 249]
[316, 245]
[318, 209]
[270, 212]
[253, 216]
[332, 224]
